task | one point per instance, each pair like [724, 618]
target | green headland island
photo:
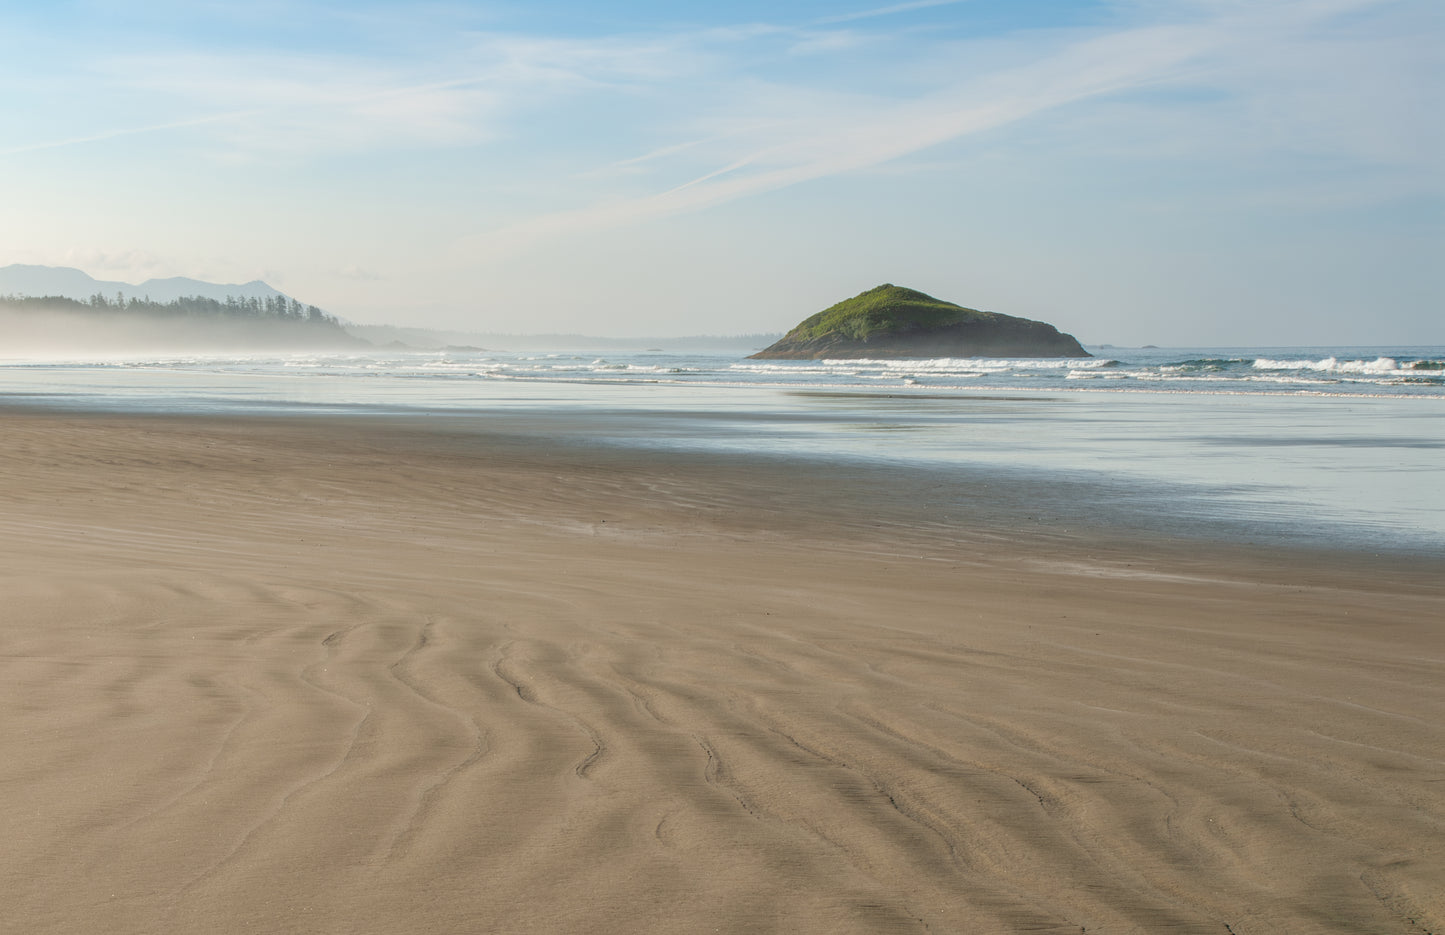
[891, 321]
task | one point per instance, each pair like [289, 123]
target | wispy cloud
[126, 131]
[888, 10]
[357, 273]
[874, 132]
[307, 103]
[585, 134]
[126, 265]
[805, 137]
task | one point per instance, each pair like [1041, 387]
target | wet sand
[352, 675]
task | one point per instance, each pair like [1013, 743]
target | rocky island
[891, 321]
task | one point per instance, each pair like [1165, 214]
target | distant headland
[892, 321]
[55, 309]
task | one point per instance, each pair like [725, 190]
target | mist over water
[118, 336]
[1339, 446]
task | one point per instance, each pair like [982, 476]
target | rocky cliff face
[892, 321]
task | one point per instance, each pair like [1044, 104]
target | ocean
[1340, 447]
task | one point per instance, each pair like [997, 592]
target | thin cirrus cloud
[815, 133]
[887, 11]
[874, 132]
[719, 113]
[309, 105]
[307, 112]
[104, 135]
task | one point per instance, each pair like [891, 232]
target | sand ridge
[344, 676]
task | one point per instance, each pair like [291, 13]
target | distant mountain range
[20, 279]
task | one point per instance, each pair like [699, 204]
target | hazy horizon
[1190, 173]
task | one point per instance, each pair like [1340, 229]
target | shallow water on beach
[1341, 446]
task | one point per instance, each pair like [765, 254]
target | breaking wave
[1334, 371]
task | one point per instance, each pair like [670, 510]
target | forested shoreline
[277, 307]
[193, 321]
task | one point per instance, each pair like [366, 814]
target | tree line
[277, 308]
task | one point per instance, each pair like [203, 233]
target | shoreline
[1275, 472]
[1085, 513]
[363, 674]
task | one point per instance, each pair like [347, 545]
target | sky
[1172, 172]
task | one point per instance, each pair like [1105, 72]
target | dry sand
[349, 676]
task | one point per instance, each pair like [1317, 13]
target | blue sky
[1144, 171]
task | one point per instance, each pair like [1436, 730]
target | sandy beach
[356, 675]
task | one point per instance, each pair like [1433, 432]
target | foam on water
[1331, 365]
[1414, 372]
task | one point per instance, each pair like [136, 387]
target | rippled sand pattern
[338, 677]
